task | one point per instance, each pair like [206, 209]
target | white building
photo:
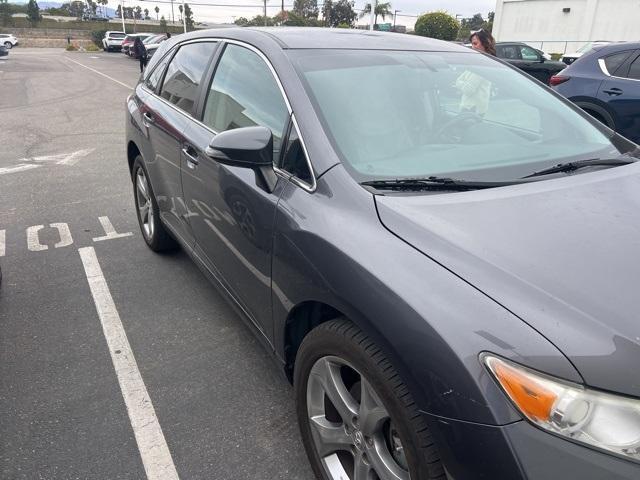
[565, 25]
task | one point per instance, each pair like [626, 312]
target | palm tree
[382, 9]
[180, 9]
[157, 9]
[146, 13]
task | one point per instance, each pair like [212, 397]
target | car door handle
[192, 157]
[613, 91]
[147, 118]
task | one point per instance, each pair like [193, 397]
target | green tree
[97, 36]
[33, 13]
[339, 14]
[157, 9]
[306, 8]
[474, 23]
[488, 25]
[5, 13]
[382, 9]
[241, 21]
[137, 12]
[76, 9]
[180, 10]
[146, 14]
[438, 25]
[188, 16]
[163, 23]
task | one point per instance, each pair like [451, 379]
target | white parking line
[3, 242]
[110, 232]
[100, 73]
[152, 445]
[17, 168]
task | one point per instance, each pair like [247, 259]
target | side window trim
[208, 80]
[309, 187]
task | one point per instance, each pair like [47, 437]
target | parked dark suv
[441, 253]
[605, 82]
[529, 59]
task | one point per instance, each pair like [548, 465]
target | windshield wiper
[434, 183]
[573, 166]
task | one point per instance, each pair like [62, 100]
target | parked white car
[113, 40]
[569, 58]
[8, 40]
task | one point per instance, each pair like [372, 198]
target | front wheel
[8, 45]
[153, 231]
[357, 418]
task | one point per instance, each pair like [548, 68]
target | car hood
[562, 254]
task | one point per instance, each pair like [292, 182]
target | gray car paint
[409, 272]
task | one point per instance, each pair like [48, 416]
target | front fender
[330, 247]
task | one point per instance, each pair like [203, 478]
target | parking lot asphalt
[224, 408]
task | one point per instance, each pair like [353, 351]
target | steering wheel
[464, 117]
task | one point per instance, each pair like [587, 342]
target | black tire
[343, 340]
[157, 237]
[8, 45]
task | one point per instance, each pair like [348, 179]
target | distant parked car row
[123, 42]
[601, 77]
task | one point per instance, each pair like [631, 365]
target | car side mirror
[249, 147]
[541, 58]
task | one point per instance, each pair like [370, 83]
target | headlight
[606, 421]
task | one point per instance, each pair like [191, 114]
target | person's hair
[486, 39]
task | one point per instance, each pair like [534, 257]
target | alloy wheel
[352, 431]
[144, 203]
[8, 45]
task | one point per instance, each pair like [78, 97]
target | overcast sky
[226, 11]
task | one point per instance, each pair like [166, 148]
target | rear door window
[184, 74]
[634, 70]
[615, 61]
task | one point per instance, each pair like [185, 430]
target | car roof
[328, 38]
[616, 47]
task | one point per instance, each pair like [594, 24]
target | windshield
[398, 114]
[585, 48]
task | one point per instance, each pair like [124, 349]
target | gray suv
[440, 252]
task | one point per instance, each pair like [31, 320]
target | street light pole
[265, 13]
[122, 15]
[395, 13]
[173, 20]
